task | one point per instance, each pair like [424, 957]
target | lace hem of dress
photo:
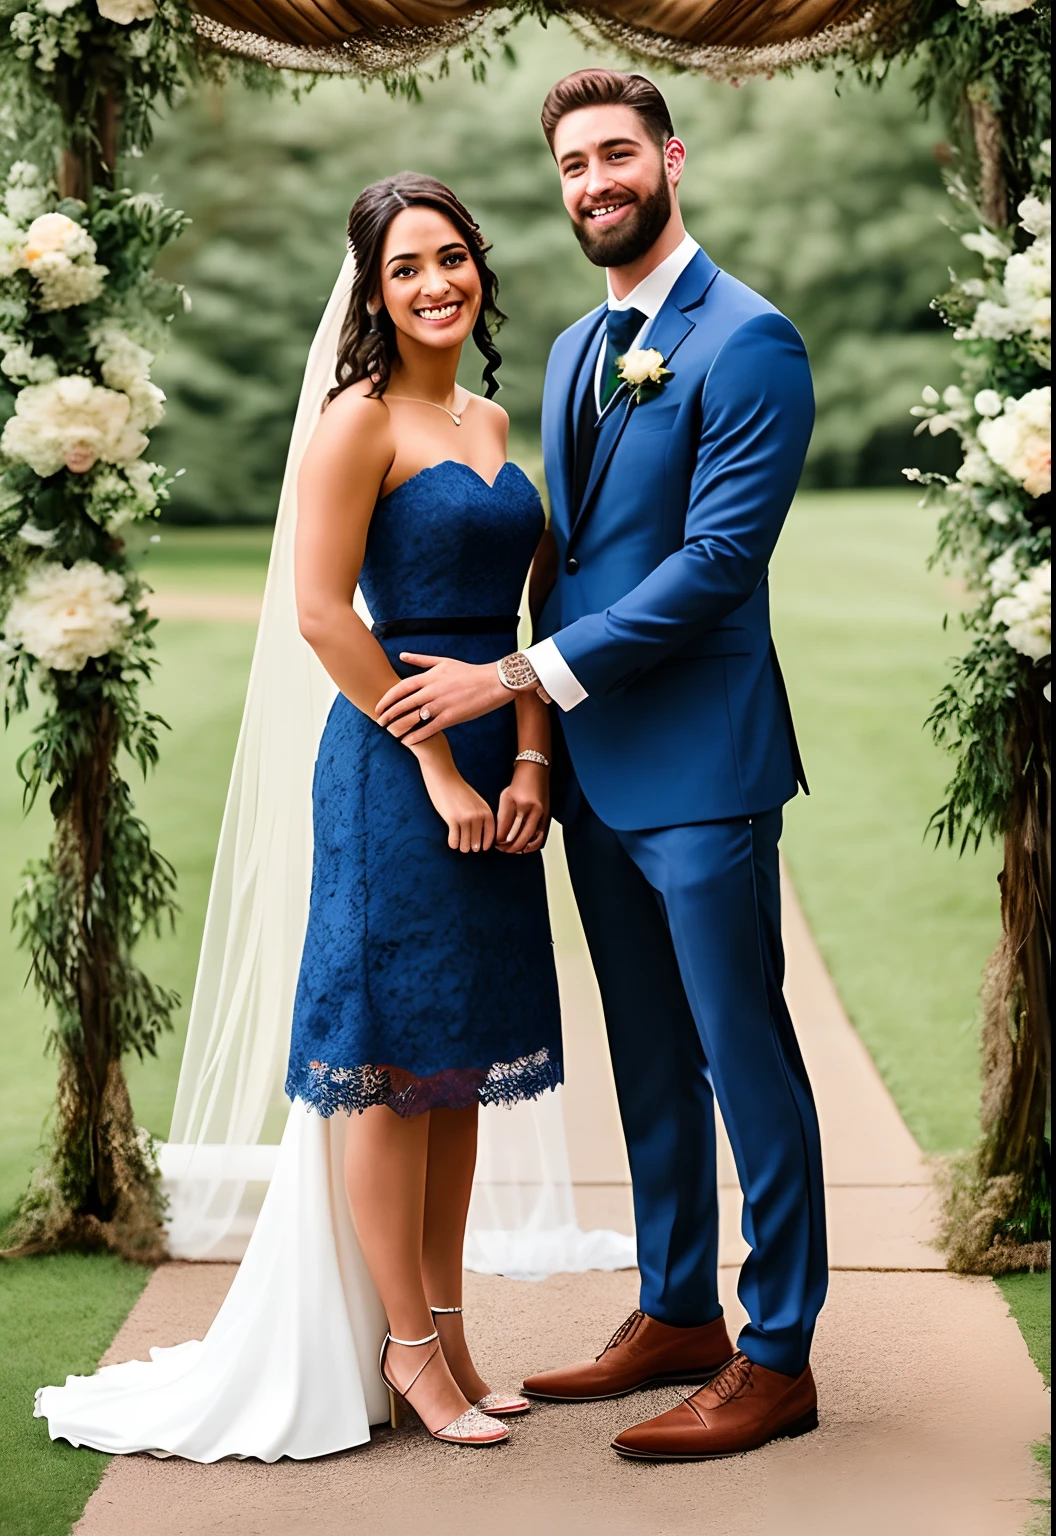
[328, 1089]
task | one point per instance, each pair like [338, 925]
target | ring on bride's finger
[423, 713]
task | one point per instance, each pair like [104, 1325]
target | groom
[670, 475]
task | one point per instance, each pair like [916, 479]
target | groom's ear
[674, 160]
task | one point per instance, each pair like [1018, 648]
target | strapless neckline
[431, 469]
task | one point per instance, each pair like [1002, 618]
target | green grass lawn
[905, 929]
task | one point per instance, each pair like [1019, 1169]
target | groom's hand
[445, 695]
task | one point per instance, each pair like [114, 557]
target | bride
[426, 985]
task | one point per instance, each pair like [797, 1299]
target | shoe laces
[626, 1328]
[731, 1381]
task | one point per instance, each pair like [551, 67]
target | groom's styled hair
[607, 88]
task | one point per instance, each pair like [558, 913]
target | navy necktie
[621, 327]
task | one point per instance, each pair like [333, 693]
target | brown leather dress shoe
[641, 1353]
[741, 1409]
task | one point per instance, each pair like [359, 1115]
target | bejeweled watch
[517, 673]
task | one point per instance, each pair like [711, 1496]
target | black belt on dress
[488, 624]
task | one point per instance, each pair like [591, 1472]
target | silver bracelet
[529, 755]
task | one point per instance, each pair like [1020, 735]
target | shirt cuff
[555, 674]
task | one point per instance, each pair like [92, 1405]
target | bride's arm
[341, 475]
[542, 577]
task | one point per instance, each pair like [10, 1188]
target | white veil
[230, 1105]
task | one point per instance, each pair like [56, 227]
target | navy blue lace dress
[427, 977]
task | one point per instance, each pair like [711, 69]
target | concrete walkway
[929, 1399]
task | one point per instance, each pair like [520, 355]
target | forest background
[828, 202]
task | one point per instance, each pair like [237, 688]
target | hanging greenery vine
[81, 316]
[988, 63]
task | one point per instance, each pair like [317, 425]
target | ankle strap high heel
[506, 1405]
[473, 1427]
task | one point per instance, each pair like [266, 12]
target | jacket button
[571, 565]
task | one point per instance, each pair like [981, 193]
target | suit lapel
[667, 333]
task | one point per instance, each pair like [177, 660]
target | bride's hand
[524, 810]
[470, 823]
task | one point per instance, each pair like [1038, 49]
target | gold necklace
[414, 400]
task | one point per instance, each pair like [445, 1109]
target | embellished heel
[470, 1428]
[397, 1408]
[506, 1405]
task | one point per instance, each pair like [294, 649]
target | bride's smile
[430, 287]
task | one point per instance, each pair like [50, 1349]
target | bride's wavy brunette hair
[368, 346]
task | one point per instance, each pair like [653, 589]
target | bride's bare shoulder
[492, 412]
[493, 420]
[355, 422]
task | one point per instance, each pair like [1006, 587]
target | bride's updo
[368, 343]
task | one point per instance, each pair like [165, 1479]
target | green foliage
[829, 205]
[993, 525]
[960, 52]
[81, 312]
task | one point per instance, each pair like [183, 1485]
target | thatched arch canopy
[723, 38]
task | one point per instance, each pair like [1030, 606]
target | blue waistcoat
[661, 606]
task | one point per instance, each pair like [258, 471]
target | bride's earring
[372, 311]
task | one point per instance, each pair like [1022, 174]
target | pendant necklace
[414, 400]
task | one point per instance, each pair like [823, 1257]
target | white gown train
[289, 1366]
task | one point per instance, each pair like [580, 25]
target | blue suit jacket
[663, 613]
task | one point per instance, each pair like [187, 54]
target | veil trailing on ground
[230, 1105]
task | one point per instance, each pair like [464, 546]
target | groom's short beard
[632, 237]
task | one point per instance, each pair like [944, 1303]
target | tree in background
[828, 204]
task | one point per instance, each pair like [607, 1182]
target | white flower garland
[1004, 322]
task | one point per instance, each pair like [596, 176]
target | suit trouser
[684, 929]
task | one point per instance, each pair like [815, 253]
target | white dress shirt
[551, 668]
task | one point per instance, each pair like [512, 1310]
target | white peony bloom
[56, 232]
[978, 467]
[123, 361]
[1003, 572]
[27, 192]
[12, 247]
[70, 422]
[986, 244]
[64, 616]
[999, 7]
[1020, 440]
[1026, 613]
[60, 253]
[988, 403]
[1028, 288]
[994, 322]
[125, 365]
[1036, 217]
[124, 12]
[64, 283]
[20, 364]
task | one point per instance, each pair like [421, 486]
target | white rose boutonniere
[642, 370]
